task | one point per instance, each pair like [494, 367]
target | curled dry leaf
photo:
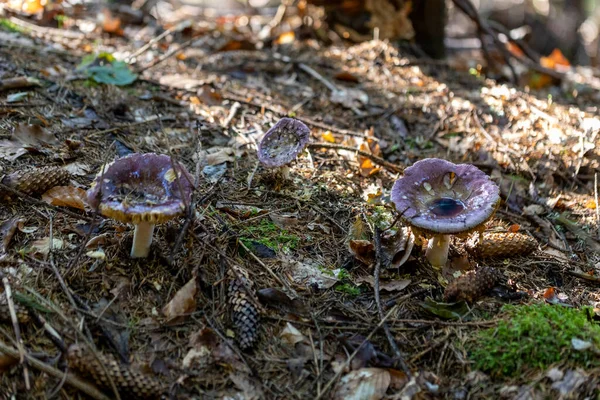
[277, 299]
[66, 196]
[25, 138]
[284, 221]
[183, 303]
[290, 335]
[363, 384]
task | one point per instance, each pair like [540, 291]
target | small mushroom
[438, 199]
[282, 144]
[144, 190]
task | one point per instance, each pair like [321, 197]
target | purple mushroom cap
[439, 197]
[283, 142]
[141, 188]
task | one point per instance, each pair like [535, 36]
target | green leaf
[104, 68]
[445, 310]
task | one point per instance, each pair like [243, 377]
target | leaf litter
[316, 280]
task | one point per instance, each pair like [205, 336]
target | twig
[379, 260]
[597, 205]
[349, 360]
[378, 160]
[318, 77]
[177, 28]
[17, 330]
[235, 107]
[172, 52]
[71, 380]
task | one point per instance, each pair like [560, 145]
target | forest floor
[165, 321]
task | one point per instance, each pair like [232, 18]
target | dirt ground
[274, 247]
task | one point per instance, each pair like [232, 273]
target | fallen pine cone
[131, 384]
[22, 313]
[472, 285]
[36, 181]
[503, 244]
[243, 300]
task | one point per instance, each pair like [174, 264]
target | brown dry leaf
[284, 221]
[391, 286]
[550, 295]
[7, 231]
[42, 246]
[25, 138]
[347, 77]
[367, 167]
[290, 335]
[363, 384]
[183, 303]
[109, 23]
[7, 362]
[220, 156]
[66, 196]
[33, 135]
[362, 250]
[26, 6]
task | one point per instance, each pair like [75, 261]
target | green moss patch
[535, 336]
[269, 234]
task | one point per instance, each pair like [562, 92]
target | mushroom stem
[437, 250]
[142, 239]
[285, 172]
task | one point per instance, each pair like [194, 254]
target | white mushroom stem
[437, 250]
[142, 239]
[285, 172]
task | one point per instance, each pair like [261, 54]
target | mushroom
[142, 189]
[282, 144]
[438, 199]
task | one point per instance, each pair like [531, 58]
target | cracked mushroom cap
[141, 188]
[283, 142]
[439, 197]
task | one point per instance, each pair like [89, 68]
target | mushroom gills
[142, 239]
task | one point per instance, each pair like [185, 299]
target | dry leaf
[387, 286]
[33, 135]
[183, 303]
[284, 221]
[514, 228]
[78, 168]
[42, 246]
[220, 156]
[7, 231]
[347, 77]
[309, 273]
[66, 196]
[362, 250]
[290, 335]
[555, 60]
[363, 384]
[109, 23]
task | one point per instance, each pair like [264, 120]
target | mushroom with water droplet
[282, 144]
[144, 190]
[438, 199]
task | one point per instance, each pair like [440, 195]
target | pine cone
[22, 313]
[130, 384]
[503, 244]
[37, 181]
[472, 285]
[244, 303]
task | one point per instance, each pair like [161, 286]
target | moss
[347, 288]
[534, 336]
[269, 234]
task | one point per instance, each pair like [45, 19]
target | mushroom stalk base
[142, 239]
[437, 250]
[285, 172]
